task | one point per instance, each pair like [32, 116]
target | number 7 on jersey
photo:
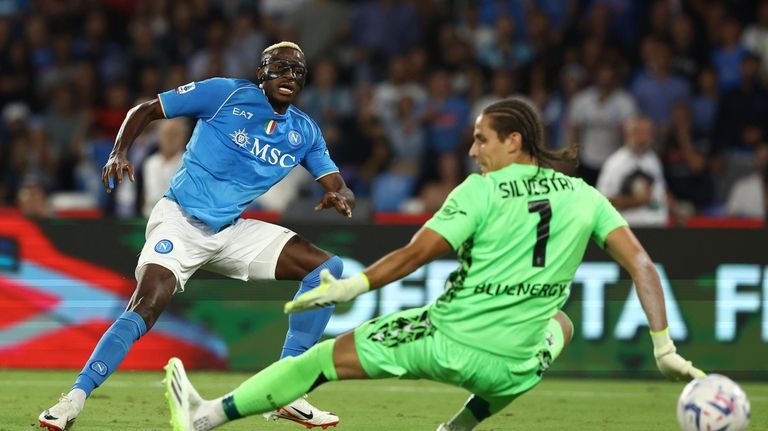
[542, 230]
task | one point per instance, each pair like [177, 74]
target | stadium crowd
[667, 98]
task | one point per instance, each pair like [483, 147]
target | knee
[335, 265]
[150, 300]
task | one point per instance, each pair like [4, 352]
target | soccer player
[247, 138]
[520, 230]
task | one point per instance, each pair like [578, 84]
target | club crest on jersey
[186, 88]
[270, 126]
[240, 137]
[164, 246]
[294, 138]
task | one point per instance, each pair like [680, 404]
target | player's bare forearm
[135, 122]
[337, 195]
[624, 247]
[425, 246]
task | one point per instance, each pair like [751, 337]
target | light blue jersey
[239, 149]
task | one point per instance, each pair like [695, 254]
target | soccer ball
[713, 403]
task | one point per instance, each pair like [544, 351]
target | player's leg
[159, 274]
[152, 295]
[300, 260]
[557, 336]
[257, 250]
[273, 387]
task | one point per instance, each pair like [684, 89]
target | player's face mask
[276, 68]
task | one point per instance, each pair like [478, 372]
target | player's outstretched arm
[135, 122]
[337, 195]
[425, 245]
[624, 247]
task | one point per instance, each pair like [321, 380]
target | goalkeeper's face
[282, 74]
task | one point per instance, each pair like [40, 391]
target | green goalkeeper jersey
[520, 234]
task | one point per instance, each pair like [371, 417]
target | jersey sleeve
[317, 160]
[607, 219]
[462, 212]
[201, 99]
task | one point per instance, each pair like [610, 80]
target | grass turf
[134, 401]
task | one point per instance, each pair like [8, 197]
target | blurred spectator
[755, 36]
[216, 50]
[747, 197]
[657, 90]
[17, 76]
[398, 84]
[385, 28]
[433, 194]
[184, 38]
[686, 166]
[595, 117]
[96, 46]
[407, 140]
[502, 86]
[704, 104]
[688, 54]
[142, 52]
[728, 56]
[321, 27]
[32, 199]
[324, 99]
[244, 37]
[444, 115]
[554, 113]
[66, 124]
[107, 118]
[76, 65]
[741, 130]
[159, 168]
[365, 152]
[472, 30]
[505, 50]
[633, 179]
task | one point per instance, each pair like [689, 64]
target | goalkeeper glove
[672, 365]
[331, 291]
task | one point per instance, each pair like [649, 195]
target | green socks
[282, 382]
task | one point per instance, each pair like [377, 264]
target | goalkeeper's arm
[425, 246]
[624, 247]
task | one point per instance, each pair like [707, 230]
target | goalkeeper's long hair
[517, 115]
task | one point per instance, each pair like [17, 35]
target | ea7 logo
[241, 113]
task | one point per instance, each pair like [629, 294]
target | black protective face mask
[277, 68]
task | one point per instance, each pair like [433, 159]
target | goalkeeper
[520, 231]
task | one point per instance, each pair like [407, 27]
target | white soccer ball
[713, 403]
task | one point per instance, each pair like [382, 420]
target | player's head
[282, 72]
[511, 131]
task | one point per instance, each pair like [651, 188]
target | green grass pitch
[134, 401]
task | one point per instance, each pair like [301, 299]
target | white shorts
[247, 250]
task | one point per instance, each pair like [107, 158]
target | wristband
[660, 338]
[364, 284]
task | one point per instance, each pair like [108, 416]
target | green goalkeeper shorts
[406, 345]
